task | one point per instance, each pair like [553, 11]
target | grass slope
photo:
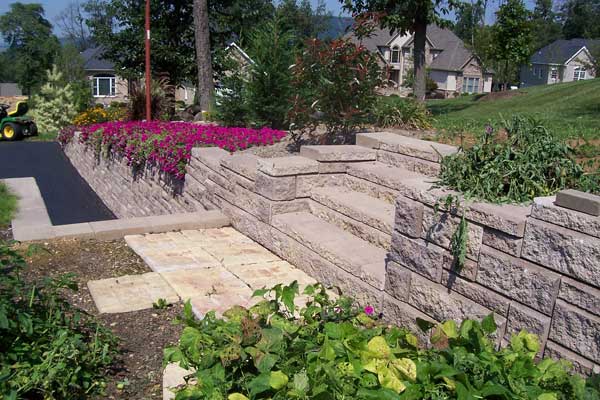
[8, 204]
[568, 110]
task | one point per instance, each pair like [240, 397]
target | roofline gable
[577, 53]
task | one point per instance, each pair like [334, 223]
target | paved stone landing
[130, 292]
[214, 268]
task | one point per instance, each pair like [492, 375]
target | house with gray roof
[108, 86]
[560, 61]
[453, 67]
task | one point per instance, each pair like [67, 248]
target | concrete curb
[32, 221]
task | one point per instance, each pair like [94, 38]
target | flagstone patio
[213, 268]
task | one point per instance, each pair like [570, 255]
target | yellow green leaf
[379, 347]
[406, 367]
[236, 396]
[389, 380]
[278, 380]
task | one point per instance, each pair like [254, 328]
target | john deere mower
[14, 125]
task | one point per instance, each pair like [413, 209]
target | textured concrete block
[506, 218]
[440, 228]
[518, 279]
[276, 188]
[409, 217]
[577, 330]
[245, 164]
[411, 146]
[477, 293]
[580, 294]
[397, 281]
[521, 317]
[402, 314]
[287, 166]
[429, 168]
[338, 153]
[367, 140]
[581, 365]
[566, 251]
[502, 241]
[579, 201]
[545, 209]
[306, 183]
[441, 304]
[419, 256]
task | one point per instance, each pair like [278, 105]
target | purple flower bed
[168, 144]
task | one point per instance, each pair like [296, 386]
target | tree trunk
[419, 60]
[206, 85]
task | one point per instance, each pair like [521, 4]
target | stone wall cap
[579, 201]
[338, 152]
[546, 209]
[286, 166]
[245, 164]
[409, 145]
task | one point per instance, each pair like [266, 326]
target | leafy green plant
[402, 113]
[334, 85]
[160, 304]
[48, 348]
[332, 349]
[8, 205]
[516, 164]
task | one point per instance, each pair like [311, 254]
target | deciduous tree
[32, 46]
[203, 57]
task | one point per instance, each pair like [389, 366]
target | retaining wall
[536, 267]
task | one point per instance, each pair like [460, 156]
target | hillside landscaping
[568, 110]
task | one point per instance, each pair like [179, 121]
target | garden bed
[142, 334]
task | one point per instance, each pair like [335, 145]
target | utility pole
[148, 77]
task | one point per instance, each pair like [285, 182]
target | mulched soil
[143, 334]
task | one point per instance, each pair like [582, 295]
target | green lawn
[569, 110]
[8, 204]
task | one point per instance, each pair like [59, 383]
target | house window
[104, 86]
[554, 74]
[395, 55]
[540, 72]
[579, 74]
[470, 85]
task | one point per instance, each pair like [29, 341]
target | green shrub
[8, 205]
[333, 350]
[403, 113]
[516, 164]
[48, 349]
[162, 95]
[232, 108]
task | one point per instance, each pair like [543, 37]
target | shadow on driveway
[67, 195]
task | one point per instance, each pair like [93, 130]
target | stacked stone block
[366, 219]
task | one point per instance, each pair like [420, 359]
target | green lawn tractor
[14, 125]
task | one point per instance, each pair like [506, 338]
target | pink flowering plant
[168, 145]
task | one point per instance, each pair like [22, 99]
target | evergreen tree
[54, 106]
[546, 28]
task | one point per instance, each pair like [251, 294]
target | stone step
[337, 246]
[400, 179]
[359, 206]
[338, 153]
[409, 146]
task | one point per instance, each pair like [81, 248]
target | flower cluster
[169, 144]
[98, 114]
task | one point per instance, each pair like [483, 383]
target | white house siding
[582, 59]
[487, 83]
[121, 88]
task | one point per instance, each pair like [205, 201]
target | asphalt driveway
[67, 195]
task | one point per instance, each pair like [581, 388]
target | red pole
[148, 77]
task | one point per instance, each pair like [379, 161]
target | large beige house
[560, 61]
[451, 65]
[107, 86]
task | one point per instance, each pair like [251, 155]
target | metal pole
[148, 77]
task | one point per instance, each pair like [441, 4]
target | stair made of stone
[360, 214]
[341, 248]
